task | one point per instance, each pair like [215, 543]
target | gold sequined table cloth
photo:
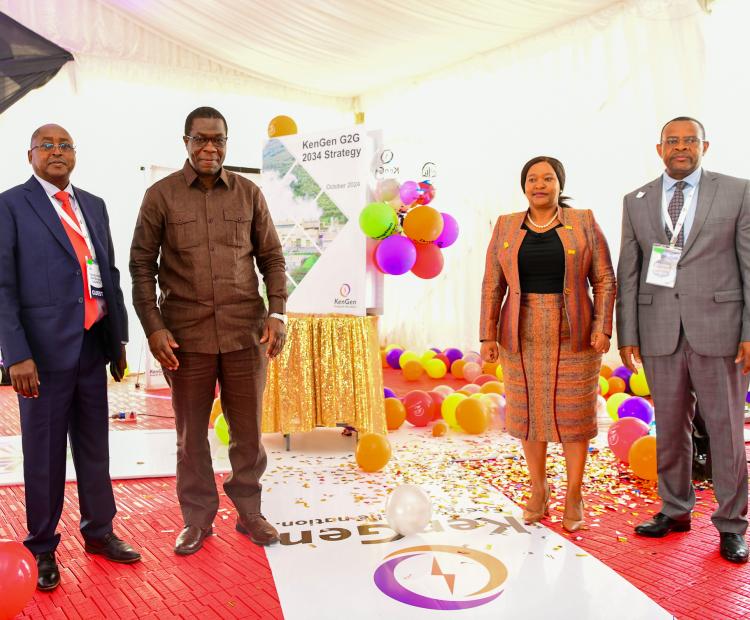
[328, 373]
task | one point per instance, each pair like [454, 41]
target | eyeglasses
[48, 147]
[689, 141]
[219, 141]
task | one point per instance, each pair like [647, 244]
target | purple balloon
[636, 407]
[389, 393]
[450, 231]
[747, 397]
[391, 358]
[453, 354]
[395, 255]
[409, 192]
[438, 351]
[624, 374]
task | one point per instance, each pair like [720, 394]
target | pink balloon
[471, 371]
[409, 192]
[471, 388]
[445, 390]
[472, 356]
[623, 433]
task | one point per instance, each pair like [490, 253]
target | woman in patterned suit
[540, 322]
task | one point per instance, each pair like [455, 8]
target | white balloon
[408, 510]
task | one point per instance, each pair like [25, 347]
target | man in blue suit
[62, 318]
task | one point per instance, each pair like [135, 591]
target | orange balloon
[457, 369]
[439, 429]
[489, 368]
[423, 224]
[383, 360]
[412, 370]
[216, 411]
[281, 126]
[616, 385]
[606, 371]
[491, 387]
[471, 416]
[373, 452]
[395, 413]
[642, 457]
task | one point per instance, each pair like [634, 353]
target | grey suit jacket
[712, 295]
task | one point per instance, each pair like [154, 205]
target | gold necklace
[540, 226]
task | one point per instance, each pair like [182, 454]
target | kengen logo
[345, 290]
[389, 584]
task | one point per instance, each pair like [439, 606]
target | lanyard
[75, 225]
[675, 230]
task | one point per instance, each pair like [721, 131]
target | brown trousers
[241, 376]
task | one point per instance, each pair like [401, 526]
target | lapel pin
[506, 244]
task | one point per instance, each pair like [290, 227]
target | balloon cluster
[627, 404]
[475, 407]
[426, 231]
[437, 364]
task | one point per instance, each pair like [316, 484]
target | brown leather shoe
[191, 539]
[260, 531]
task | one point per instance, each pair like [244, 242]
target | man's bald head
[56, 164]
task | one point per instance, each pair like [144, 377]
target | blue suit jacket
[41, 288]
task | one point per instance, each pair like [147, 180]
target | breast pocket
[182, 230]
[237, 224]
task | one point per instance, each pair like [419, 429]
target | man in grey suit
[683, 308]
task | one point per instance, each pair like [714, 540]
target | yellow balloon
[281, 126]
[373, 452]
[448, 408]
[639, 385]
[642, 457]
[603, 385]
[499, 372]
[427, 356]
[614, 402]
[491, 386]
[435, 369]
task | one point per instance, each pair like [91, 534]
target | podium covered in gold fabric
[329, 373]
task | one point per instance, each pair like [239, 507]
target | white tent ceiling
[344, 48]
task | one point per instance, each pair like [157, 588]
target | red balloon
[429, 261]
[18, 575]
[437, 402]
[482, 379]
[443, 358]
[418, 407]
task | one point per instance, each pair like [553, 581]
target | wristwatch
[280, 317]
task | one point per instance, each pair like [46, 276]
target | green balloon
[221, 428]
[378, 220]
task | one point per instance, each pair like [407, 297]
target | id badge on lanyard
[662, 266]
[94, 279]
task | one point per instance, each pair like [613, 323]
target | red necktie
[91, 309]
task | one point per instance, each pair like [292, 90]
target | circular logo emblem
[386, 156]
[441, 577]
[345, 290]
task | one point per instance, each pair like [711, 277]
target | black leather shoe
[191, 539]
[49, 576]
[113, 549]
[733, 547]
[661, 525]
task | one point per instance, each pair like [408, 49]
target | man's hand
[274, 333]
[628, 355]
[600, 342]
[117, 368]
[743, 356]
[161, 343]
[489, 351]
[25, 379]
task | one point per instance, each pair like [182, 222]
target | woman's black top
[541, 262]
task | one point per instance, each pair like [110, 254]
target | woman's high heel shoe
[573, 525]
[534, 516]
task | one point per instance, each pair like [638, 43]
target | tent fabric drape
[27, 61]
